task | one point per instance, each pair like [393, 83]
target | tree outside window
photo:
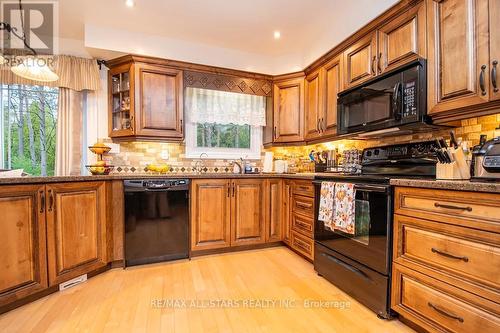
[28, 120]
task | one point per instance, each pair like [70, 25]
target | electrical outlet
[165, 154]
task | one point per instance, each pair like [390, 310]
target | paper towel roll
[268, 162]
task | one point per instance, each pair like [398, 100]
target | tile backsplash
[135, 156]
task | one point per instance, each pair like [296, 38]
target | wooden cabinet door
[160, 102]
[494, 49]
[458, 57]
[360, 61]
[76, 229]
[23, 260]
[210, 214]
[402, 39]
[247, 212]
[333, 71]
[314, 104]
[289, 110]
[274, 193]
[286, 213]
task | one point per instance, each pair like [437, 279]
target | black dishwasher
[156, 220]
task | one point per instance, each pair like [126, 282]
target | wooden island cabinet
[49, 234]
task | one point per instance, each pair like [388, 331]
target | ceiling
[309, 28]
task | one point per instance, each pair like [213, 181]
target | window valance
[74, 73]
[221, 107]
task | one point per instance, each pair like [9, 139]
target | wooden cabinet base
[199, 253]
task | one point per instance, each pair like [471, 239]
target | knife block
[456, 170]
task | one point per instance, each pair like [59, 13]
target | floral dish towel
[344, 214]
[327, 204]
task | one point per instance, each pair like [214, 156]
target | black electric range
[360, 263]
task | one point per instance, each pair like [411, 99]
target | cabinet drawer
[302, 224]
[303, 205]
[439, 307]
[303, 187]
[463, 252]
[471, 209]
[303, 244]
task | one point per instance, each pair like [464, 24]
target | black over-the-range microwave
[394, 101]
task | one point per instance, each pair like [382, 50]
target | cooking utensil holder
[456, 170]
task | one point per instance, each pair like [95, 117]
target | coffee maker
[486, 160]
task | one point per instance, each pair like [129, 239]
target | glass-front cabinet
[121, 101]
[145, 100]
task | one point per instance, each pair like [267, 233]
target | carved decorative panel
[227, 83]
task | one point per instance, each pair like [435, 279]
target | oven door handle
[371, 188]
[348, 267]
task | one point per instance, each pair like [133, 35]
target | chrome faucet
[240, 166]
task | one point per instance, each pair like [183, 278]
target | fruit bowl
[99, 149]
[100, 169]
[160, 168]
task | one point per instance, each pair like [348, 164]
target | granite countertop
[61, 179]
[456, 185]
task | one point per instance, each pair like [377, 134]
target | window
[28, 120]
[223, 124]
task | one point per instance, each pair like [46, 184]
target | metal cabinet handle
[494, 75]
[181, 125]
[303, 205]
[449, 255]
[42, 201]
[323, 127]
[482, 84]
[275, 133]
[438, 205]
[233, 190]
[228, 190]
[445, 312]
[51, 201]
[373, 64]
[303, 225]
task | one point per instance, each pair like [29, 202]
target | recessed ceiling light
[129, 3]
[277, 34]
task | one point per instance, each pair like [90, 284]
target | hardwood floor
[131, 300]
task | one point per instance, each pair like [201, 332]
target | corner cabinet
[145, 101]
[289, 110]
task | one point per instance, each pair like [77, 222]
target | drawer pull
[434, 250]
[303, 205]
[446, 313]
[438, 205]
[302, 225]
[305, 188]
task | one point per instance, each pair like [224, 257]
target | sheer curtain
[69, 133]
[221, 107]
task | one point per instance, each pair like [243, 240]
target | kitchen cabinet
[289, 110]
[458, 57]
[301, 217]
[234, 212]
[402, 39]
[446, 259]
[314, 86]
[23, 257]
[274, 229]
[360, 61]
[210, 214]
[247, 212]
[333, 85]
[286, 213]
[76, 229]
[494, 11]
[145, 101]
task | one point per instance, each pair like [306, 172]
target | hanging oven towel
[327, 204]
[344, 214]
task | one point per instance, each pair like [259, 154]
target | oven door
[371, 243]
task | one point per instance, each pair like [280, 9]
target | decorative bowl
[100, 169]
[99, 149]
